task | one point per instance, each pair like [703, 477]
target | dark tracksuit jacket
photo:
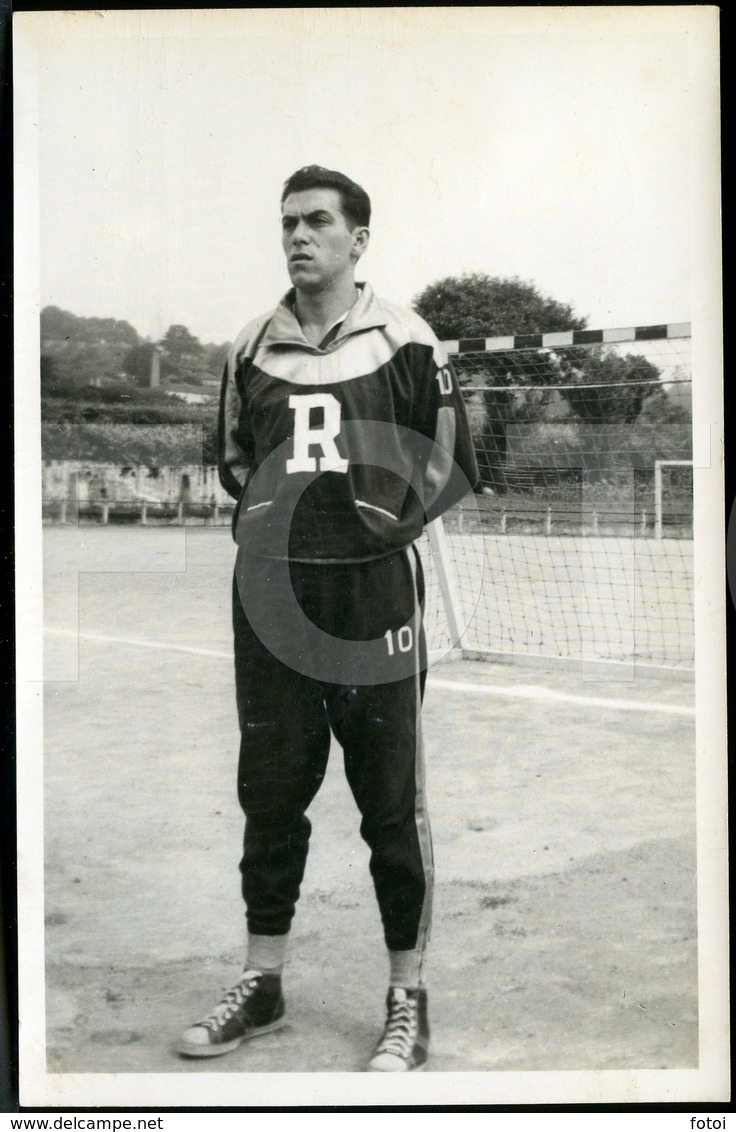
[338, 455]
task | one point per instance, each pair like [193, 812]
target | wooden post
[595, 522]
[62, 513]
[105, 512]
[548, 522]
[180, 511]
[503, 520]
[144, 512]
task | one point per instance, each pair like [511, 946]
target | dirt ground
[565, 915]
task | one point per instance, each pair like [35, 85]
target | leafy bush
[125, 443]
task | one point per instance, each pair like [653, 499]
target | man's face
[319, 245]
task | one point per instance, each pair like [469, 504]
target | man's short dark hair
[356, 204]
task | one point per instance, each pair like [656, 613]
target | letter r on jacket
[307, 435]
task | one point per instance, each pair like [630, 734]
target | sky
[568, 147]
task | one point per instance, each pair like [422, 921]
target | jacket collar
[284, 330]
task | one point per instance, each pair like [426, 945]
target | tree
[478, 306]
[663, 429]
[58, 325]
[137, 363]
[606, 392]
[85, 351]
[620, 385]
[216, 357]
[52, 380]
[182, 356]
[109, 331]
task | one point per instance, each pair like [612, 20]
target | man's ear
[361, 238]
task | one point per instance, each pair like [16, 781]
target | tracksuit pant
[286, 720]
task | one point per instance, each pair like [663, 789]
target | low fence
[605, 521]
[142, 512]
[598, 520]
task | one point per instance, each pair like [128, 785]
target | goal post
[658, 498]
[446, 580]
[562, 556]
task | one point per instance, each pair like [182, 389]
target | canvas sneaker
[253, 1006]
[405, 1042]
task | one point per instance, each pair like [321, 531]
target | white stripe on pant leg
[421, 815]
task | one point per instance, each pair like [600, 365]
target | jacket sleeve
[235, 447]
[450, 471]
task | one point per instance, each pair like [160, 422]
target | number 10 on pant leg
[404, 639]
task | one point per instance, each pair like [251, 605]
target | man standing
[342, 432]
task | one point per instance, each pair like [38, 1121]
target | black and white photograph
[370, 557]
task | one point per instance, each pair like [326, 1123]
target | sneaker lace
[232, 1002]
[401, 1027]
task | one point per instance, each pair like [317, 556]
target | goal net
[580, 545]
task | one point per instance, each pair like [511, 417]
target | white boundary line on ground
[470, 652]
[534, 692]
[135, 642]
[514, 691]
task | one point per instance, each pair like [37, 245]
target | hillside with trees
[99, 386]
[109, 394]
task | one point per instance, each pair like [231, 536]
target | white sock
[405, 968]
[266, 953]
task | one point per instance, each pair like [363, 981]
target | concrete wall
[82, 481]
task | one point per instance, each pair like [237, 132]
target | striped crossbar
[569, 338]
